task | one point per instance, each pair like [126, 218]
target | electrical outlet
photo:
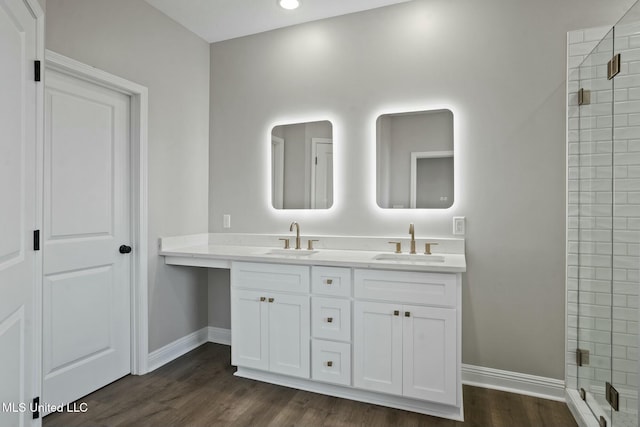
[226, 221]
[459, 225]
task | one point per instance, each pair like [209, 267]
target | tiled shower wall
[596, 228]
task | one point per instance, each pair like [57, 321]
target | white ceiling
[217, 20]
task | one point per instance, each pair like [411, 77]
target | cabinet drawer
[331, 318]
[406, 287]
[334, 281]
[331, 362]
[272, 277]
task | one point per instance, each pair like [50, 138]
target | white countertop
[206, 251]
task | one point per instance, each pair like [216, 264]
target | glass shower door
[626, 220]
[595, 239]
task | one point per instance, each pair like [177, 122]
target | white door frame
[139, 196]
[277, 172]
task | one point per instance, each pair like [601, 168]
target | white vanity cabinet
[389, 337]
[270, 314]
[408, 344]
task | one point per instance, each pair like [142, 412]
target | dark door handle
[124, 249]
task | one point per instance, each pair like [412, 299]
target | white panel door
[289, 333]
[86, 285]
[249, 332]
[429, 354]
[17, 212]
[322, 175]
[377, 347]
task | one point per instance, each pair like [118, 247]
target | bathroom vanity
[362, 323]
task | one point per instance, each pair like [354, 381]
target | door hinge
[316, 160]
[612, 396]
[582, 357]
[35, 407]
[602, 422]
[613, 67]
[584, 97]
[36, 71]
[583, 394]
[36, 240]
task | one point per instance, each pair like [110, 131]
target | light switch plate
[226, 221]
[459, 225]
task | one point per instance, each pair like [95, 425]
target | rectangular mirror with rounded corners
[414, 152]
[302, 165]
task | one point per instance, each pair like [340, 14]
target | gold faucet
[413, 239]
[297, 233]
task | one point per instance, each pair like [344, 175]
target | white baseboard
[219, 335]
[173, 350]
[513, 382]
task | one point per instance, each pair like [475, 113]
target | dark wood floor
[199, 389]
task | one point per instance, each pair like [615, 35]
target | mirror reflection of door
[431, 180]
[321, 173]
[277, 171]
[302, 165]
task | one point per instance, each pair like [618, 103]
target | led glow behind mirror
[414, 160]
[302, 165]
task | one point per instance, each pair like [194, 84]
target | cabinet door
[289, 333]
[249, 332]
[377, 349]
[429, 354]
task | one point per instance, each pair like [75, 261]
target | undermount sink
[412, 258]
[291, 252]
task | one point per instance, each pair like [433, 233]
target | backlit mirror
[302, 165]
[415, 160]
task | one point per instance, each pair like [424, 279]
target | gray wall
[294, 166]
[502, 66]
[133, 40]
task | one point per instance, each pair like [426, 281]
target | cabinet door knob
[330, 363]
[396, 312]
[407, 314]
[262, 299]
[271, 300]
[329, 319]
[329, 281]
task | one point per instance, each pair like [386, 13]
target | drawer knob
[329, 363]
[407, 314]
[270, 299]
[262, 299]
[396, 312]
[329, 319]
[329, 281]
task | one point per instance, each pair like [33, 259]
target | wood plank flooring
[199, 390]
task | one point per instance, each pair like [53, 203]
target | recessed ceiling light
[289, 4]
